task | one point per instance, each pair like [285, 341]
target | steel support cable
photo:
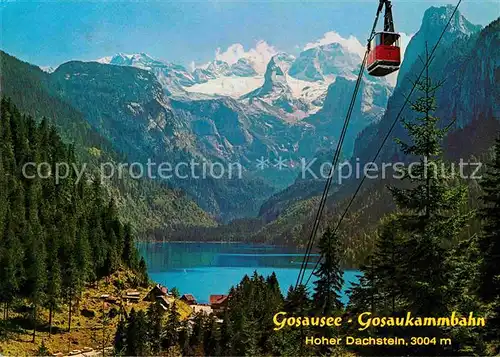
[407, 99]
[329, 179]
[326, 189]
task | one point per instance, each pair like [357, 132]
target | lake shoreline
[220, 266]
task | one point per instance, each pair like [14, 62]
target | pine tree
[120, 341]
[386, 265]
[465, 260]
[297, 300]
[54, 282]
[98, 246]
[36, 272]
[197, 337]
[155, 323]
[129, 256]
[212, 340]
[489, 245]
[430, 218]
[83, 253]
[173, 325]
[137, 334]
[431, 207]
[131, 334]
[226, 338]
[11, 267]
[378, 290]
[143, 272]
[271, 303]
[9, 161]
[72, 284]
[184, 340]
[175, 292]
[3, 192]
[249, 341]
[328, 286]
[111, 262]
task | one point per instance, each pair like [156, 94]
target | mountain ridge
[471, 65]
[29, 88]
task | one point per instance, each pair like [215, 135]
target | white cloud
[232, 54]
[404, 41]
[259, 55]
[351, 43]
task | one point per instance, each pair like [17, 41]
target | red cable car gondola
[384, 56]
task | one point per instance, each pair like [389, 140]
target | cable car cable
[340, 143]
[326, 189]
[324, 197]
[328, 183]
[427, 63]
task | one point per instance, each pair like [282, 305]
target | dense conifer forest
[54, 238]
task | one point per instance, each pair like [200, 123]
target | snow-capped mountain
[276, 95]
[219, 78]
[306, 89]
[243, 68]
[216, 69]
[172, 77]
[297, 87]
[324, 63]
[290, 87]
[211, 70]
[47, 69]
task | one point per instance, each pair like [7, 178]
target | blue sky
[51, 32]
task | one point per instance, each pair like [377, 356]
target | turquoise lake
[203, 269]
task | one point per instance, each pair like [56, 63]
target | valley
[280, 108]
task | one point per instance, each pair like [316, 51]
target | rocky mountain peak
[319, 63]
[243, 68]
[433, 23]
[276, 70]
[435, 18]
[217, 69]
[142, 60]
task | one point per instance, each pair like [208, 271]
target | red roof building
[156, 292]
[218, 302]
[189, 299]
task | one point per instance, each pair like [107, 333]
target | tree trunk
[51, 309]
[70, 312]
[34, 322]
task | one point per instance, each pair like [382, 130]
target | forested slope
[146, 203]
[54, 238]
